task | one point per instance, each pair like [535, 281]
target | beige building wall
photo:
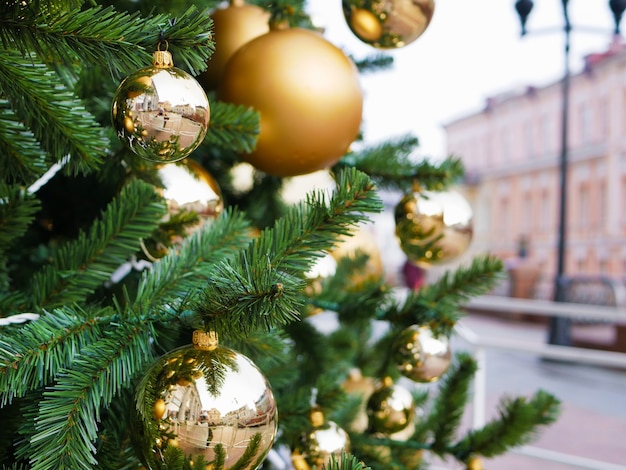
[511, 151]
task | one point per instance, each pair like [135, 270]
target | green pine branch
[16, 213]
[261, 288]
[232, 126]
[22, 160]
[56, 118]
[69, 412]
[517, 424]
[449, 405]
[121, 40]
[83, 265]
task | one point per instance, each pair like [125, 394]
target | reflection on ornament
[160, 112]
[323, 268]
[324, 441]
[308, 94]
[388, 24]
[433, 227]
[233, 26]
[390, 409]
[189, 187]
[214, 397]
[296, 189]
[420, 356]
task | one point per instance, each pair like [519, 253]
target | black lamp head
[617, 7]
[523, 8]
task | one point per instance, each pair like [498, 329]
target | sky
[472, 50]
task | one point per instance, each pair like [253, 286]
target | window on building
[586, 123]
[601, 209]
[583, 205]
[528, 140]
[545, 211]
[547, 134]
[603, 118]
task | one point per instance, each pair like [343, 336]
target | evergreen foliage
[86, 309]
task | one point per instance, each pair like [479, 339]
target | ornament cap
[205, 340]
[317, 417]
[162, 59]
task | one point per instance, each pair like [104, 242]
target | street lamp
[559, 327]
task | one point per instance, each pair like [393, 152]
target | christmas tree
[107, 275]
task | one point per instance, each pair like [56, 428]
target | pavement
[591, 429]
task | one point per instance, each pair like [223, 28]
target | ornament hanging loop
[162, 59]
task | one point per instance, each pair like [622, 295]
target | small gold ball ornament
[390, 408]
[214, 397]
[388, 24]
[420, 355]
[308, 94]
[324, 441]
[160, 112]
[187, 186]
[433, 227]
[474, 463]
[233, 26]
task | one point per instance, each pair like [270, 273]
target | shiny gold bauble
[160, 112]
[223, 399]
[233, 26]
[433, 227]
[308, 94]
[361, 240]
[388, 24]
[474, 463]
[189, 187]
[325, 441]
[363, 387]
[390, 409]
[420, 356]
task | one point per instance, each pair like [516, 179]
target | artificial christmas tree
[96, 367]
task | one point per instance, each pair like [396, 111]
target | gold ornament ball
[420, 355]
[433, 227]
[233, 26]
[223, 399]
[361, 240]
[388, 24]
[308, 94]
[187, 186]
[160, 112]
[474, 463]
[390, 409]
[322, 443]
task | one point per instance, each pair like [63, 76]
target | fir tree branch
[517, 425]
[16, 213]
[102, 35]
[439, 304]
[70, 410]
[22, 159]
[57, 119]
[188, 268]
[33, 355]
[81, 266]
[233, 127]
[449, 404]
[261, 287]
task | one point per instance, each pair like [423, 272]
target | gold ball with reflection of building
[433, 227]
[213, 397]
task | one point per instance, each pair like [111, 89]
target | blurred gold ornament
[324, 441]
[390, 409]
[433, 227]
[308, 94]
[361, 240]
[357, 384]
[474, 463]
[189, 187]
[233, 26]
[420, 356]
[160, 112]
[388, 24]
[225, 400]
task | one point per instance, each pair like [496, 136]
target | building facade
[511, 151]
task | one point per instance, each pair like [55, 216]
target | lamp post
[559, 327]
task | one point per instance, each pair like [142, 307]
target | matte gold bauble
[363, 387]
[388, 24]
[433, 227]
[390, 409]
[324, 441]
[308, 94]
[214, 398]
[420, 355]
[160, 112]
[233, 26]
[189, 187]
